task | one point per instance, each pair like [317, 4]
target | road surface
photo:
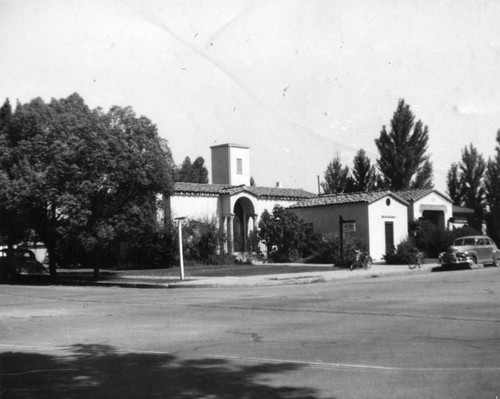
[423, 335]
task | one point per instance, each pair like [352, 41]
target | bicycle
[416, 259]
[362, 260]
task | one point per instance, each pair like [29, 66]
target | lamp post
[181, 255]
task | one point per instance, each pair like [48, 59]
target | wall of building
[208, 207]
[231, 164]
[386, 209]
[195, 207]
[369, 222]
[242, 176]
[220, 164]
[325, 219]
[263, 204]
[432, 203]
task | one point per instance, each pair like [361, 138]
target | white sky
[299, 81]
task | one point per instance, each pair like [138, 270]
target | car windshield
[465, 241]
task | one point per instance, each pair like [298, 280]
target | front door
[239, 228]
[389, 237]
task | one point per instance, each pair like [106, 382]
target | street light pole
[181, 254]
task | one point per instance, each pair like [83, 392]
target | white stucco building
[428, 204]
[380, 219]
[230, 201]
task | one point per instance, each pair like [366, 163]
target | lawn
[227, 270]
[85, 276]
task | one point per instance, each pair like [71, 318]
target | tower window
[239, 166]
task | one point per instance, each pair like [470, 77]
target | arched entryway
[243, 224]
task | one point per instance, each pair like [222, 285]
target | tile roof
[417, 194]
[341, 199]
[199, 188]
[259, 192]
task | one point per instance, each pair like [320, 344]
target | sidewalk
[264, 281]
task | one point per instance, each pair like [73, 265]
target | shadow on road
[99, 371]
[73, 277]
[449, 268]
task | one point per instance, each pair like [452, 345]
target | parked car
[471, 250]
[18, 262]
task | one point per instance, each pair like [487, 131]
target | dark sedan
[471, 250]
[19, 262]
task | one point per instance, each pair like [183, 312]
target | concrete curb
[267, 280]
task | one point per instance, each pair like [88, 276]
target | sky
[300, 82]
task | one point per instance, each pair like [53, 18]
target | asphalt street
[419, 335]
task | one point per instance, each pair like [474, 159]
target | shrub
[433, 240]
[157, 249]
[402, 253]
[318, 249]
[202, 241]
[283, 234]
[352, 242]
[221, 259]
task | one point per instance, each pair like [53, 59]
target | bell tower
[231, 164]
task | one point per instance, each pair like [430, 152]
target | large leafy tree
[13, 228]
[403, 149]
[281, 228]
[336, 177]
[84, 176]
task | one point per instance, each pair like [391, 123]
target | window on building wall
[239, 166]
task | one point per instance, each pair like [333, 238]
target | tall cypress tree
[472, 168]
[363, 173]
[403, 149]
[195, 172]
[185, 171]
[336, 177]
[199, 171]
[424, 176]
[454, 185]
[492, 177]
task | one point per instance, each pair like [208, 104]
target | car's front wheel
[473, 262]
[496, 262]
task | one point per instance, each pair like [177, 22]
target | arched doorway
[244, 212]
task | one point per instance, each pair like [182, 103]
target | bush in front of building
[282, 233]
[429, 239]
[202, 242]
[401, 255]
[152, 248]
[157, 249]
[432, 240]
[352, 242]
[318, 249]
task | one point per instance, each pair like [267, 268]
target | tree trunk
[96, 266]
[52, 259]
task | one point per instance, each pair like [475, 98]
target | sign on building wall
[349, 227]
